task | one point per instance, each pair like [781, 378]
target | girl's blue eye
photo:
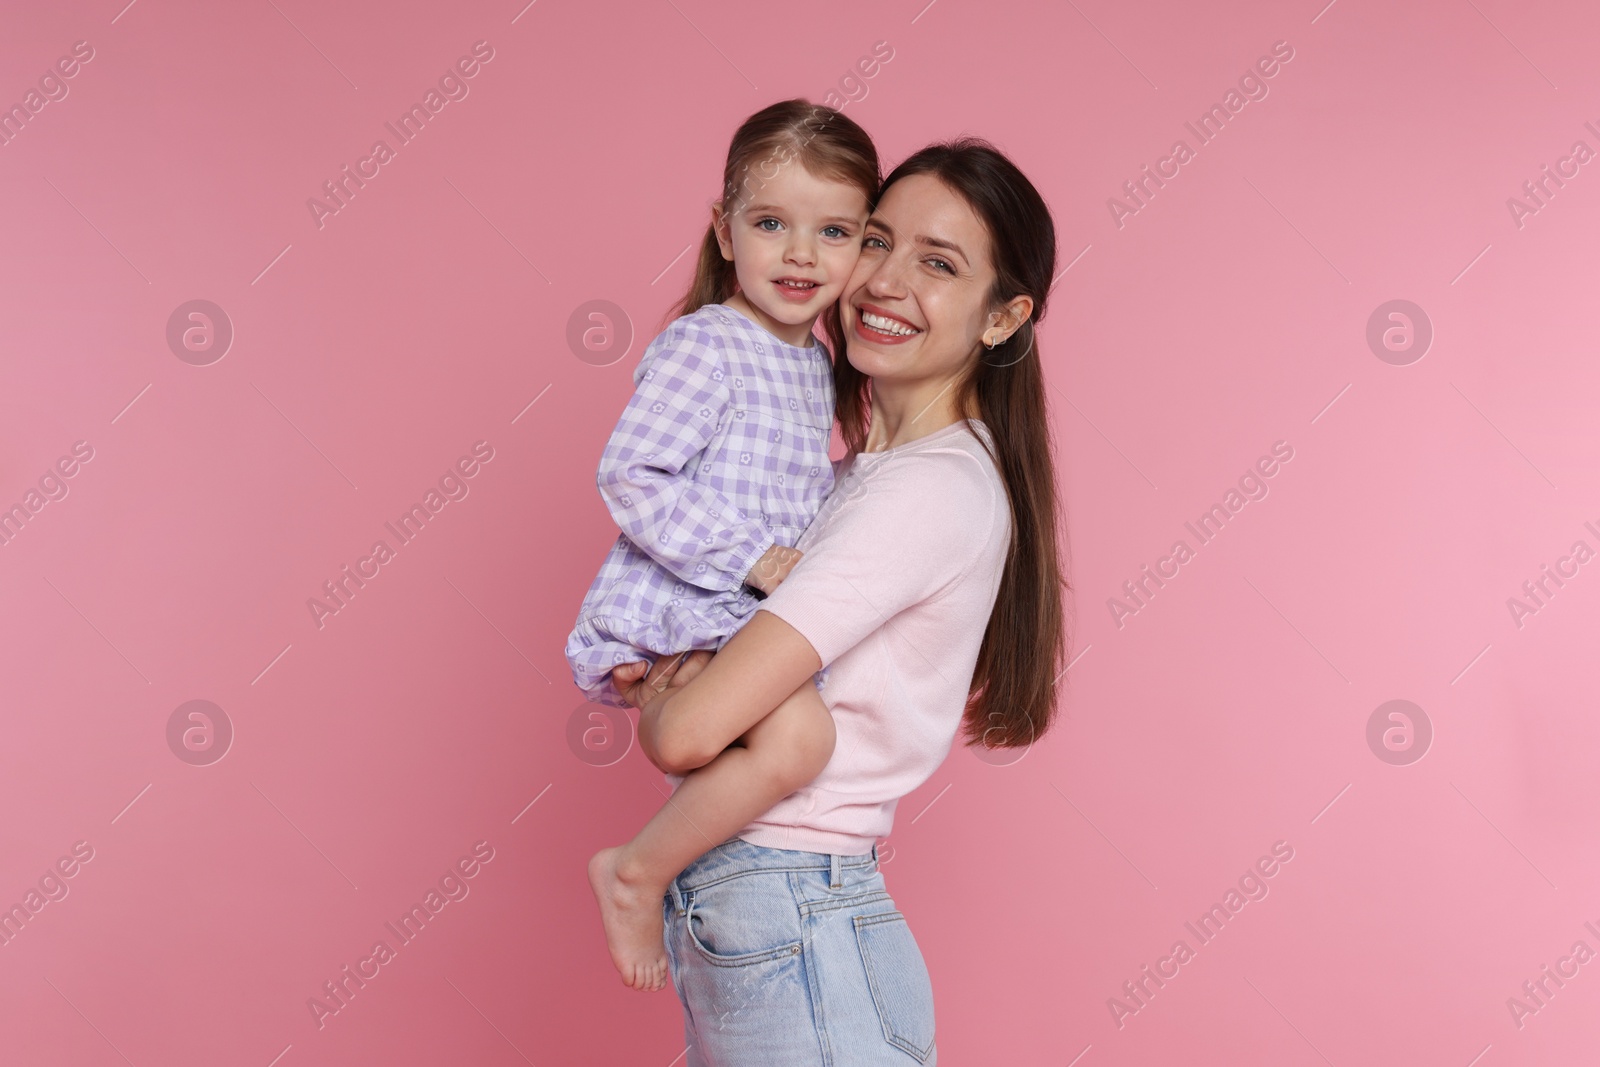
[763, 223]
[837, 231]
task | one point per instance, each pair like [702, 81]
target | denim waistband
[737, 856]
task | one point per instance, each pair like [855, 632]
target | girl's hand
[638, 688]
[629, 680]
[772, 568]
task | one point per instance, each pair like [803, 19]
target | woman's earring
[989, 342]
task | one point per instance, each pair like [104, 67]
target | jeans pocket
[729, 928]
[898, 976]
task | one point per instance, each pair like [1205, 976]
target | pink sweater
[900, 573]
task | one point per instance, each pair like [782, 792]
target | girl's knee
[805, 743]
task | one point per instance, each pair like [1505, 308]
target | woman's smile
[876, 324]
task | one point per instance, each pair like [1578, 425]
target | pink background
[432, 711]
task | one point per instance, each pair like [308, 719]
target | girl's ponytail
[714, 278]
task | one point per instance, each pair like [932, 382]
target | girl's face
[917, 305]
[793, 239]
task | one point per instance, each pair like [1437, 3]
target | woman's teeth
[883, 325]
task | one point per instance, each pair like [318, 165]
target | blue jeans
[795, 959]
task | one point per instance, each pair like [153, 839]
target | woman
[930, 585]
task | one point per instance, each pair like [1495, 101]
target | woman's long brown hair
[1012, 699]
[822, 140]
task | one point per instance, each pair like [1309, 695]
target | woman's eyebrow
[940, 243]
[924, 239]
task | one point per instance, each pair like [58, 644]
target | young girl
[718, 464]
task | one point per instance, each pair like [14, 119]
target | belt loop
[677, 896]
[833, 872]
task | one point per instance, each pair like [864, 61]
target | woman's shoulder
[939, 499]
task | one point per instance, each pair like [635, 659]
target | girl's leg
[784, 751]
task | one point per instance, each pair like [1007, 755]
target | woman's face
[917, 304]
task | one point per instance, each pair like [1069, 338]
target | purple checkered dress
[721, 453]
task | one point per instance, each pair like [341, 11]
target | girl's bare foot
[631, 914]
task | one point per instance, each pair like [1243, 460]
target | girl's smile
[798, 290]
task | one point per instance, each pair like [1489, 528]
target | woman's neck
[903, 414]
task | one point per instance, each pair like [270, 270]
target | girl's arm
[679, 403]
[690, 723]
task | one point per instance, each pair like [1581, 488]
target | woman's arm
[689, 724]
[920, 523]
